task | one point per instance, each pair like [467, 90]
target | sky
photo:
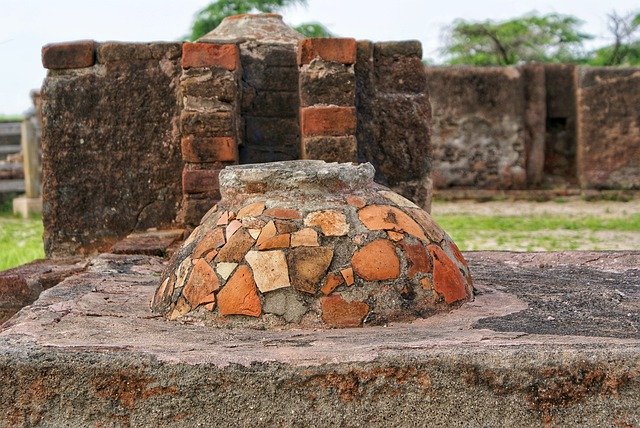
[27, 25]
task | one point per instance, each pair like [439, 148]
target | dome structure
[312, 244]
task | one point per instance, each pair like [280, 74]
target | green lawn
[20, 240]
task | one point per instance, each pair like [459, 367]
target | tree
[543, 38]
[625, 50]
[212, 15]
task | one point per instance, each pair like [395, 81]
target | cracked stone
[307, 266]
[376, 261]
[239, 296]
[330, 222]
[269, 269]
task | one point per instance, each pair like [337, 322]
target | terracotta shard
[330, 222]
[386, 217]
[337, 312]
[278, 241]
[252, 210]
[376, 261]
[282, 213]
[395, 236]
[431, 228]
[347, 274]
[355, 201]
[214, 239]
[267, 232]
[397, 199]
[418, 258]
[232, 227]
[331, 282]
[307, 266]
[240, 296]
[269, 269]
[285, 226]
[202, 282]
[236, 248]
[181, 308]
[225, 269]
[306, 237]
[447, 278]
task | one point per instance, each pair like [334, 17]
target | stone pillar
[327, 99]
[210, 123]
[533, 79]
[31, 202]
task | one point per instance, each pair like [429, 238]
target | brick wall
[210, 123]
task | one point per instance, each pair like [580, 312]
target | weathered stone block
[330, 149]
[323, 82]
[267, 103]
[609, 138]
[109, 52]
[208, 124]
[197, 55]
[111, 154]
[397, 49]
[209, 149]
[212, 83]
[533, 77]
[400, 74]
[329, 49]
[330, 120]
[80, 54]
[200, 180]
[194, 207]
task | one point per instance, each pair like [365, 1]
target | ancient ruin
[311, 243]
[191, 177]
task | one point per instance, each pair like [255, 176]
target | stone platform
[551, 339]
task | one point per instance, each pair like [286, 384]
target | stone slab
[89, 352]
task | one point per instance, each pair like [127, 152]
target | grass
[20, 240]
[10, 118]
[541, 233]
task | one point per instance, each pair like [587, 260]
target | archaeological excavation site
[238, 233]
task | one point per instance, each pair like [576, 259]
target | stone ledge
[89, 351]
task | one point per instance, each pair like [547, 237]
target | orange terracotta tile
[430, 227]
[278, 241]
[267, 232]
[223, 220]
[337, 312]
[418, 258]
[395, 236]
[426, 283]
[236, 248]
[232, 227]
[180, 309]
[270, 269]
[212, 240]
[282, 213]
[347, 274]
[211, 306]
[240, 295]
[330, 222]
[306, 237]
[285, 226]
[202, 282]
[386, 217]
[331, 282]
[252, 210]
[447, 279]
[376, 261]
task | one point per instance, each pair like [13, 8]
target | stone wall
[111, 142]
[608, 134]
[478, 127]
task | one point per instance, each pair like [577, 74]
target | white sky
[26, 25]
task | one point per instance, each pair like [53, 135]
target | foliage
[625, 49]
[10, 118]
[20, 240]
[212, 15]
[543, 38]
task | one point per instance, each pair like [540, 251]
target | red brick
[58, 56]
[200, 181]
[328, 49]
[198, 55]
[209, 149]
[332, 120]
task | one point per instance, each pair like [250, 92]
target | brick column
[210, 123]
[327, 99]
